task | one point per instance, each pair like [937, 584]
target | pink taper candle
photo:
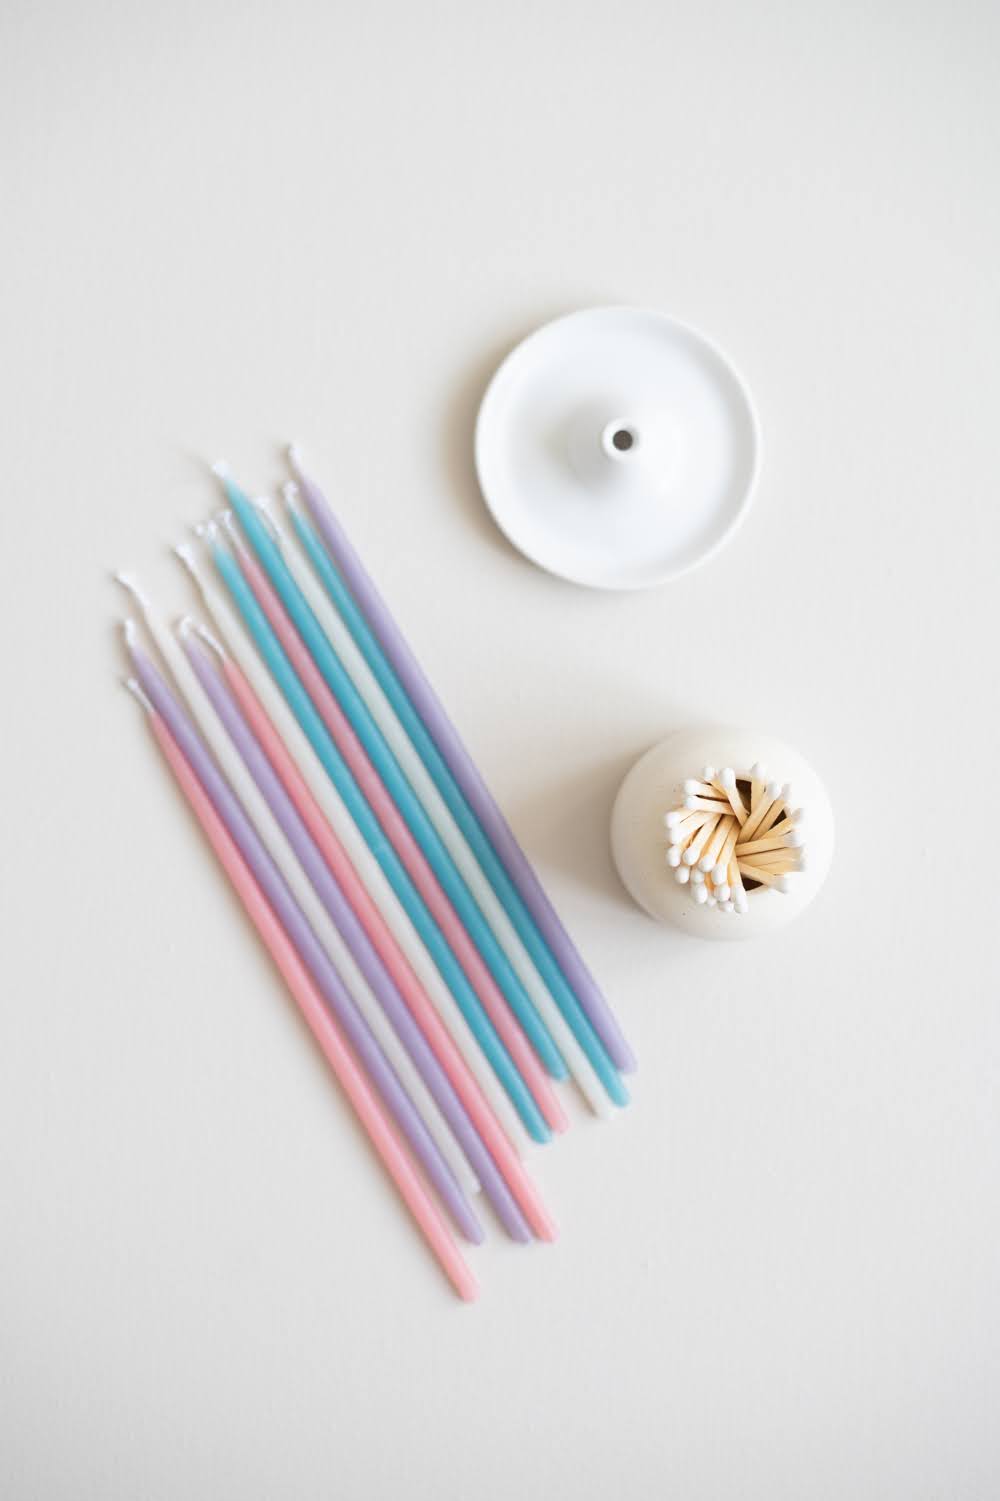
[320, 1022]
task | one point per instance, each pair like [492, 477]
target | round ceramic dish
[617, 448]
[656, 784]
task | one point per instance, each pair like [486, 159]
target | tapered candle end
[290, 494]
[294, 455]
[131, 633]
[221, 470]
[188, 626]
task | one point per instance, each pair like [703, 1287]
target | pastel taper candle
[293, 920]
[324, 1029]
[463, 769]
[387, 768]
[263, 697]
[360, 945]
[273, 654]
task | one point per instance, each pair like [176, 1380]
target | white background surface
[225, 226]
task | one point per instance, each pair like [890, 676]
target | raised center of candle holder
[620, 440]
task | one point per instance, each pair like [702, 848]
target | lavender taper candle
[296, 925]
[358, 943]
[463, 770]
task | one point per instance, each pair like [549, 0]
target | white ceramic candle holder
[640, 840]
[617, 447]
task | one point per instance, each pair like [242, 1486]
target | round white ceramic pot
[655, 784]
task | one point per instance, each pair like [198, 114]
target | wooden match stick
[706, 805]
[693, 787]
[775, 811]
[777, 860]
[772, 841]
[694, 849]
[729, 787]
[710, 854]
[763, 876]
[680, 833]
[724, 858]
[770, 795]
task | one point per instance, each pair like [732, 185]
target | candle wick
[135, 688]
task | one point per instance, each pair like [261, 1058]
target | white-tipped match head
[672, 818]
[729, 906]
[220, 469]
[676, 836]
[723, 892]
[784, 883]
[719, 875]
[741, 902]
[700, 895]
[786, 793]
[713, 901]
[697, 876]
[728, 778]
[673, 856]
[757, 772]
[708, 773]
[682, 875]
[803, 865]
[689, 802]
[796, 839]
[772, 791]
[138, 692]
[706, 863]
[690, 857]
[691, 786]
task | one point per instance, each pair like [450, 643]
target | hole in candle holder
[623, 440]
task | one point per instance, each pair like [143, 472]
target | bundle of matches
[734, 834]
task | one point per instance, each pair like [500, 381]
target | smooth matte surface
[617, 447]
[777, 1275]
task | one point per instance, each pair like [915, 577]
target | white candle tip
[186, 553]
[294, 453]
[220, 469]
[130, 631]
[290, 492]
[210, 640]
[130, 582]
[137, 691]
